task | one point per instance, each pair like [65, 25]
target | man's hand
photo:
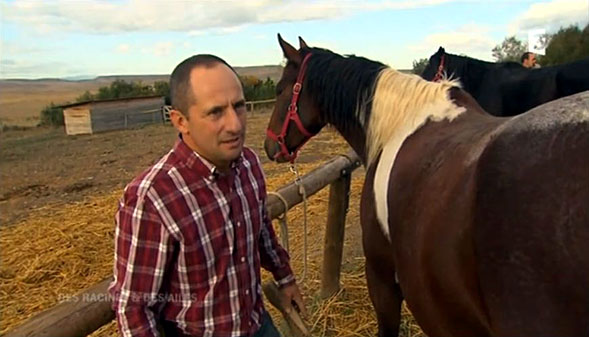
[293, 298]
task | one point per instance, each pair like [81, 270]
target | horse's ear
[289, 51]
[302, 43]
[441, 50]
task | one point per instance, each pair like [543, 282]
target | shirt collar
[201, 165]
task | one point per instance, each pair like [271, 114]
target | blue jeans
[267, 328]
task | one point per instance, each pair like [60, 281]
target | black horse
[507, 88]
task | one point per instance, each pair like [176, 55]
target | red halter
[440, 72]
[292, 115]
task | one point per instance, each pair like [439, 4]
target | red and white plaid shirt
[189, 244]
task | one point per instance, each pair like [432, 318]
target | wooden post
[339, 197]
[79, 315]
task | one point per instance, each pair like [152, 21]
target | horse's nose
[271, 148]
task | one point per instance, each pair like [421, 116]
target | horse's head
[295, 118]
[436, 66]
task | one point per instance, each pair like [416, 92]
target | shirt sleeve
[143, 248]
[273, 257]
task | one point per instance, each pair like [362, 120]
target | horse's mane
[354, 90]
[334, 79]
[403, 101]
[460, 59]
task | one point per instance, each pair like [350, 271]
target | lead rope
[303, 193]
[283, 221]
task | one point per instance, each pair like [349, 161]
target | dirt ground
[57, 203]
[44, 166]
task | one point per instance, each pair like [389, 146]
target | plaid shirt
[189, 244]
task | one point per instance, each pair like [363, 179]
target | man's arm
[273, 257]
[143, 247]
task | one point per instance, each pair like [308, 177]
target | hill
[22, 100]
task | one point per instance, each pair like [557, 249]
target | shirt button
[247, 292]
[242, 259]
[238, 224]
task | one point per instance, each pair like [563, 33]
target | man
[528, 60]
[192, 231]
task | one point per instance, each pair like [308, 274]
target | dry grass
[60, 250]
[21, 102]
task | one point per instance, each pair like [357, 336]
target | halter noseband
[292, 115]
[440, 72]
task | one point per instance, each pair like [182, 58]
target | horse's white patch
[434, 112]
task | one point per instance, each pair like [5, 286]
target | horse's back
[573, 77]
[532, 224]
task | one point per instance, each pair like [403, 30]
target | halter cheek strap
[292, 115]
[440, 72]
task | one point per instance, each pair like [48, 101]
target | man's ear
[179, 121]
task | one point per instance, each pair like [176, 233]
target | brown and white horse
[480, 223]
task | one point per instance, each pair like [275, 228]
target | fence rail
[90, 309]
[252, 104]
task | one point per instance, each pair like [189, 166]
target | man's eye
[215, 112]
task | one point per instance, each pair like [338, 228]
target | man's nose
[233, 122]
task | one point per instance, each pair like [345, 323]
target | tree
[567, 45]
[511, 49]
[255, 89]
[419, 66]
[161, 88]
[52, 115]
[85, 97]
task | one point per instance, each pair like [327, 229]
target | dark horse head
[436, 67]
[311, 82]
[508, 88]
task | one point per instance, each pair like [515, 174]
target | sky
[87, 38]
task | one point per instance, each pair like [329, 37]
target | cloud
[551, 16]
[123, 48]
[162, 48]
[10, 68]
[471, 40]
[23, 48]
[98, 17]
[7, 62]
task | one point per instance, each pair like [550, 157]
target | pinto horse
[479, 223]
[508, 88]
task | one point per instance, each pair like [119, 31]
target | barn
[112, 114]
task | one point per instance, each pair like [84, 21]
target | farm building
[113, 114]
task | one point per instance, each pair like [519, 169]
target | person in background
[528, 60]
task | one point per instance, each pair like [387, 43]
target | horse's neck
[339, 87]
[470, 72]
[356, 138]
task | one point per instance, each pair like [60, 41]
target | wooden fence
[90, 309]
[251, 105]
